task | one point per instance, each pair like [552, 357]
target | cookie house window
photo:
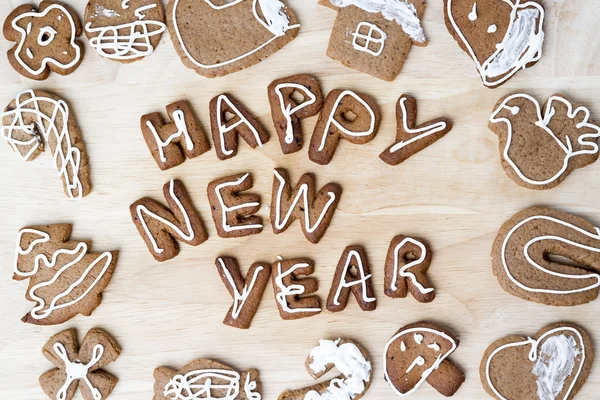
[369, 38]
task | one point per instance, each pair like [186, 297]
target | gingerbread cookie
[206, 379]
[549, 257]
[410, 138]
[553, 364]
[417, 353]
[233, 212]
[287, 111]
[540, 151]
[242, 32]
[242, 123]
[353, 274]
[501, 36]
[161, 227]
[406, 266]
[288, 289]
[80, 366]
[45, 39]
[315, 211]
[351, 360]
[171, 143]
[65, 277]
[124, 30]
[246, 292]
[375, 37]
[345, 115]
[36, 119]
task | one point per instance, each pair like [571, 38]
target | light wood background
[455, 194]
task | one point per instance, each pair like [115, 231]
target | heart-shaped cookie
[552, 365]
[501, 36]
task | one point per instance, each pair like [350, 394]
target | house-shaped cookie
[375, 37]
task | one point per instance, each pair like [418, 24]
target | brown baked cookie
[291, 292]
[65, 277]
[287, 110]
[406, 266]
[161, 227]
[171, 143]
[553, 364]
[419, 352]
[233, 212]
[502, 37]
[230, 119]
[345, 115]
[246, 292]
[240, 33]
[549, 257]
[80, 366]
[349, 358]
[124, 30]
[353, 274]
[34, 120]
[206, 379]
[541, 145]
[410, 138]
[376, 37]
[315, 211]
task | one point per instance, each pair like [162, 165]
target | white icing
[402, 346]
[420, 361]
[554, 364]
[227, 209]
[542, 237]
[66, 156]
[402, 12]
[199, 384]
[29, 53]
[434, 346]
[492, 28]
[104, 12]
[473, 14]
[421, 133]
[125, 4]
[141, 209]
[239, 299]
[276, 22]
[75, 370]
[332, 120]
[435, 365]
[178, 118]
[349, 361]
[284, 291]
[223, 128]
[522, 43]
[49, 30]
[362, 281]
[46, 36]
[369, 38]
[418, 338]
[404, 271]
[302, 194]
[40, 311]
[589, 146]
[289, 111]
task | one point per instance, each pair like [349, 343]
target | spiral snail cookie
[375, 37]
[242, 32]
[345, 115]
[548, 256]
[351, 361]
[292, 294]
[419, 352]
[124, 30]
[35, 120]
[183, 137]
[293, 99]
[45, 39]
[501, 36]
[541, 145]
[80, 365]
[553, 364]
[65, 277]
[206, 379]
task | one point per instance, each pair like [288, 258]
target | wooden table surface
[455, 194]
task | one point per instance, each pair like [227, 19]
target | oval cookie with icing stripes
[553, 364]
[549, 257]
